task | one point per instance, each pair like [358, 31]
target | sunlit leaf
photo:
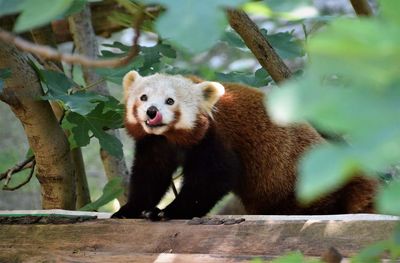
[111, 190]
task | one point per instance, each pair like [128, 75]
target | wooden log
[173, 241]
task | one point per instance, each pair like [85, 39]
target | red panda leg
[154, 163]
[210, 171]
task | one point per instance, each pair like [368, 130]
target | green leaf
[111, 190]
[388, 199]
[56, 82]
[36, 13]
[372, 253]
[389, 10]
[148, 61]
[60, 87]
[319, 176]
[285, 44]
[76, 7]
[200, 24]
[294, 257]
[245, 78]
[233, 39]
[95, 122]
[8, 7]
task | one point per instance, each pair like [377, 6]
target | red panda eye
[143, 97]
[170, 101]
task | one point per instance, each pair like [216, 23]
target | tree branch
[86, 43]
[32, 165]
[362, 7]
[47, 52]
[17, 168]
[259, 45]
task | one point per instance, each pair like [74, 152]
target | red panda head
[168, 105]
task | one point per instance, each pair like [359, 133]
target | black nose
[152, 112]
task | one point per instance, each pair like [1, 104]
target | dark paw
[126, 212]
[154, 214]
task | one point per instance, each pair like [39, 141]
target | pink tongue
[156, 120]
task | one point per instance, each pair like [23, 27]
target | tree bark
[86, 43]
[362, 7]
[259, 45]
[55, 170]
[44, 36]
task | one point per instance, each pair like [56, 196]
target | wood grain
[177, 241]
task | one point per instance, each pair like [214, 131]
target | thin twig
[17, 168]
[47, 52]
[27, 180]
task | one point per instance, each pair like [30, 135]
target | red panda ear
[128, 80]
[211, 91]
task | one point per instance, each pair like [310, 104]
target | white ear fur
[128, 80]
[212, 92]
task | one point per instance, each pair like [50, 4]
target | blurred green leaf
[36, 13]
[245, 78]
[294, 257]
[388, 199]
[201, 23]
[285, 44]
[372, 253]
[320, 176]
[389, 10]
[284, 6]
[352, 87]
[76, 6]
[233, 39]
[8, 7]
[111, 190]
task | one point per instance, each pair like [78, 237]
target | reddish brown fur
[270, 154]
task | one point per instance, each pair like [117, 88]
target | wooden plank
[87, 257]
[110, 239]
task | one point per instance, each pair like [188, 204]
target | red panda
[223, 138]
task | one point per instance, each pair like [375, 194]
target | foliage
[111, 190]
[351, 88]
[85, 112]
[201, 23]
[34, 15]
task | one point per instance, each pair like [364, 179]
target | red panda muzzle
[156, 120]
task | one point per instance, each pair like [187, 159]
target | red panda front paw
[154, 214]
[126, 212]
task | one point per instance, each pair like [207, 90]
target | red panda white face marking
[163, 102]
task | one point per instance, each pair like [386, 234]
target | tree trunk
[44, 36]
[55, 170]
[86, 44]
